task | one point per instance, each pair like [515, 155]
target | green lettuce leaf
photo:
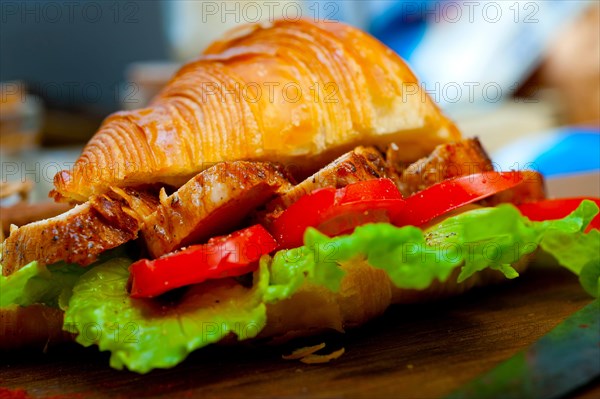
[496, 237]
[36, 283]
[159, 333]
[589, 277]
[143, 334]
[49, 285]
[563, 241]
[483, 238]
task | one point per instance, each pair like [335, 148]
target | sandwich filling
[152, 274]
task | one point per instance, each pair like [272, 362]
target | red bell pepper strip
[226, 256]
[552, 209]
[335, 212]
[450, 194]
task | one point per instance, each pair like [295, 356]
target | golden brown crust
[295, 92]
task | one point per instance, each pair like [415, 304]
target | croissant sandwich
[293, 179]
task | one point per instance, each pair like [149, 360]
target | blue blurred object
[563, 151]
[402, 26]
[471, 51]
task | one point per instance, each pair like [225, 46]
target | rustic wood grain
[419, 351]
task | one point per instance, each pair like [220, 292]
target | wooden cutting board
[417, 351]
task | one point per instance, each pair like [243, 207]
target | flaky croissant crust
[299, 93]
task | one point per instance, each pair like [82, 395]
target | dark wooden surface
[418, 351]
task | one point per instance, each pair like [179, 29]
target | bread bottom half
[365, 293]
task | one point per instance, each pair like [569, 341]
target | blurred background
[524, 76]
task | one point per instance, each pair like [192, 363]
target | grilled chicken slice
[23, 213]
[139, 203]
[362, 163]
[532, 189]
[212, 203]
[459, 159]
[76, 236]
[445, 162]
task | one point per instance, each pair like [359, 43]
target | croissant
[296, 93]
[323, 100]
